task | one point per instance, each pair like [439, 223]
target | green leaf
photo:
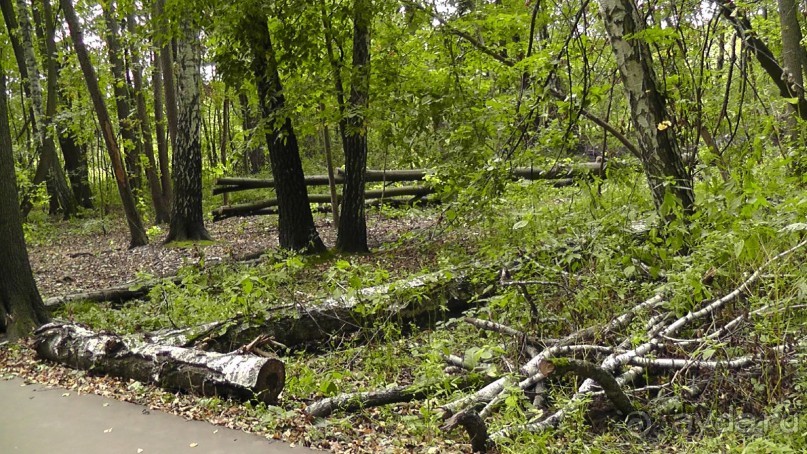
[520, 224]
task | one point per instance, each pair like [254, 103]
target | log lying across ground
[562, 171]
[267, 206]
[424, 298]
[117, 294]
[235, 376]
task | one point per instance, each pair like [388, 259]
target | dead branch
[591, 371]
[474, 425]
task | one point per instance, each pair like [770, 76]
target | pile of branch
[606, 370]
[234, 375]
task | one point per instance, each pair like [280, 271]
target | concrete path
[35, 419]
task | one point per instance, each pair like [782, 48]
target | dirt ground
[90, 255]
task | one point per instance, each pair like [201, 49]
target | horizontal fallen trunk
[351, 402]
[132, 290]
[235, 376]
[233, 184]
[250, 209]
[425, 298]
[561, 171]
[117, 294]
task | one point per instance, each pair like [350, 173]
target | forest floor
[91, 255]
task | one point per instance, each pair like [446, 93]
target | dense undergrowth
[589, 252]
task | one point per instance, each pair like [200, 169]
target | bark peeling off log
[235, 376]
[428, 296]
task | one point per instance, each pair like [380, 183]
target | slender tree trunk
[128, 125]
[49, 165]
[225, 136]
[256, 158]
[167, 64]
[295, 221]
[161, 210]
[352, 235]
[138, 234]
[336, 67]
[326, 137]
[162, 139]
[187, 223]
[792, 54]
[75, 161]
[661, 158]
[75, 156]
[21, 308]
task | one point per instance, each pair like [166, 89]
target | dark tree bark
[128, 127]
[225, 136]
[660, 155]
[161, 210]
[187, 223]
[75, 162]
[352, 235]
[75, 155]
[162, 138]
[138, 234]
[21, 308]
[256, 158]
[295, 223]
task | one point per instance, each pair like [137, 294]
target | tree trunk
[233, 375]
[352, 234]
[295, 223]
[162, 139]
[161, 210]
[255, 159]
[138, 234]
[49, 166]
[326, 137]
[792, 53]
[660, 156]
[21, 308]
[225, 135]
[167, 64]
[187, 223]
[75, 162]
[126, 121]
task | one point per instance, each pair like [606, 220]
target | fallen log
[132, 290]
[350, 402]
[557, 172]
[234, 376]
[428, 297]
[251, 209]
[117, 294]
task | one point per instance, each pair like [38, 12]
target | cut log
[234, 376]
[557, 172]
[251, 209]
[425, 298]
